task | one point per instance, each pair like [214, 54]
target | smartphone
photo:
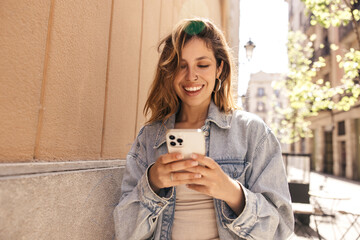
[186, 141]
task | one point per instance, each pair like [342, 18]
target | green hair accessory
[195, 27]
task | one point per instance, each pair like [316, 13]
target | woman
[238, 190]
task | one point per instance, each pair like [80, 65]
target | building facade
[74, 80]
[336, 143]
[262, 99]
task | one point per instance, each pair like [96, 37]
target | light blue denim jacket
[247, 151]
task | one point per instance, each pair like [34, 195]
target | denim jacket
[246, 150]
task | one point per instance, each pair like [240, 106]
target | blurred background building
[336, 143]
[74, 78]
[262, 99]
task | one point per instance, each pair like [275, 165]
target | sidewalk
[332, 228]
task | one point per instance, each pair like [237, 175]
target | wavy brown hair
[162, 100]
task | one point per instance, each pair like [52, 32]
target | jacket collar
[221, 119]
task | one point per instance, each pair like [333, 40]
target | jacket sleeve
[268, 212]
[139, 208]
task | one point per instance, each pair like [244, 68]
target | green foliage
[350, 88]
[309, 95]
[302, 92]
[331, 12]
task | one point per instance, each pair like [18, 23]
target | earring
[217, 87]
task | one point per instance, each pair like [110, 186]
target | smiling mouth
[193, 89]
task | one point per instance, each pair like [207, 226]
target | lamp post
[249, 48]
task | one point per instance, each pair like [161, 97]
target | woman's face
[195, 79]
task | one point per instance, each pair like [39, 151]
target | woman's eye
[182, 66]
[203, 66]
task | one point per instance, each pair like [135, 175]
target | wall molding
[17, 169]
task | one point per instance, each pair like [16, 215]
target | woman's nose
[192, 75]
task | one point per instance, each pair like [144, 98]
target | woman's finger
[184, 176]
[203, 160]
[203, 170]
[180, 165]
[170, 157]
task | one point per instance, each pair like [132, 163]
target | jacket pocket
[234, 168]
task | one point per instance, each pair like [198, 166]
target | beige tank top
[194, 216]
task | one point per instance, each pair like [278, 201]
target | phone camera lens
[179, 140]
[173, 144]
[172, 137]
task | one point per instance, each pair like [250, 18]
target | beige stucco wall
[75, 74]
[22, 50]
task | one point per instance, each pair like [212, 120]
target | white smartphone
[186, 141]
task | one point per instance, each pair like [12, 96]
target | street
[347, 194]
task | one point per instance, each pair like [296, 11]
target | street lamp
[249, 46]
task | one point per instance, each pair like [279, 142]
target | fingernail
[194, 163]
[194, 156]
[198, 175]
[179, 156]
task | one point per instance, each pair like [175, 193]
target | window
[260, 107]
[343, 158]
[260, 92]
[277, 93]
[302, 145]
[327, 78]
[341, 128]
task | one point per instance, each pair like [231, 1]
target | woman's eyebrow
[204, 57]
[200, 58]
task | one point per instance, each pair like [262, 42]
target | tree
[334, 13]
[308, 96]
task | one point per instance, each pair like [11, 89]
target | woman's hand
[214, 182]
[171, 170]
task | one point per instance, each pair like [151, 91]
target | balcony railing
[297, 167]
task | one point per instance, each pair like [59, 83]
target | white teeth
[193, 89]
